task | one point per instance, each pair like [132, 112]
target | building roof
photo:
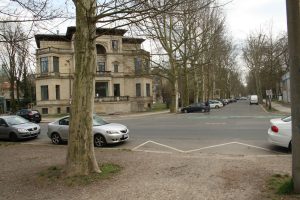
[100, 31]
[133, 40]
[48, 37]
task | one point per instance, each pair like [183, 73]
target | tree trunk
[174, 97]
[293, 14]
[186, 92]
[81, 156]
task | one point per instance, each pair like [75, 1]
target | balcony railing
[53, 50]
[52, 75]
[103, 73]
[112, 99]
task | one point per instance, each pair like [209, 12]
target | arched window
[100, 49]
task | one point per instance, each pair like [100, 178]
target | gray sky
[246, 16]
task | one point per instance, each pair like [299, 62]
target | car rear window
[287, 119]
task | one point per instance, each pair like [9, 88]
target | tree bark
[293, 20]
[81, 157]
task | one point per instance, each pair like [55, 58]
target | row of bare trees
[267, 59]
[15, 63]
[194, 54]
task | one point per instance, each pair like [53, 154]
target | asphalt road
[238, 129]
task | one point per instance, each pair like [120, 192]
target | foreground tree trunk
[81, 157]
[293, 13]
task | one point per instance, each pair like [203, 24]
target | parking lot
[237, 129]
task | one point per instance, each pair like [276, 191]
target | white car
[215, 104]
[253, 99]
[104, 132]
[280, 132]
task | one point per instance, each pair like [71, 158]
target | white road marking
[135, 148]
[248, 145]
[216, 123]
[167, 146]
[148, 151]
[208, 147]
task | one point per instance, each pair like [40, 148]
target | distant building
[122, 80]
[5, 98]
[286, 88]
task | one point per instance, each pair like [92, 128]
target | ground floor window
[68, 110]
[44, 92]
[116, 90]
[45, 111]
[148, 89]
[58, 110]
[138, 92]
[101, 89]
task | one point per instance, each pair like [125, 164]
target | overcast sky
[245, 16]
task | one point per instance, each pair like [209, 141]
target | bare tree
[10, 57]
[253, 54]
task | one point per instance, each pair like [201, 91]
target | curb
[48, 120]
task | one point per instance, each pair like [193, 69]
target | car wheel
[290, 146]
[217, 107]
[185, 111]
[55, 138]
[99, 141]
[13, 137]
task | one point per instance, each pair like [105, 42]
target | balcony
[54, 50]
[112, 99]
[103, 73]
[53, 75]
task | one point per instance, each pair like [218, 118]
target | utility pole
[293, 21]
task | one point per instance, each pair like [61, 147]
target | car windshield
[98, 121]
[15, 120]
[287, 119]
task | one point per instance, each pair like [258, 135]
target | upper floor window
[44, 92]
[114, 44]
[55, 64]
[116, 67]
[138, 65]
[100, 49]
[44, 64]
[101, 67]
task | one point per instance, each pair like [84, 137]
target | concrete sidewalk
[281, 108]
[48, 119]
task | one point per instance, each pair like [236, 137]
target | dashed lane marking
[215, 123]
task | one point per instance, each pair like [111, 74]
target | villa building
[122, 80]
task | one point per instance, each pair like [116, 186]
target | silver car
[14, 128]
[104, 132]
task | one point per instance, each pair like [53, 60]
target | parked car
[215, 104]
[280, 132]
[104, 132]
[222, 101]
[31, 115]
[195, 107]
[253, 99]
[14, 128]
[243, 98]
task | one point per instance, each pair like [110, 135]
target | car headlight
[112, 132]
[22, 130]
